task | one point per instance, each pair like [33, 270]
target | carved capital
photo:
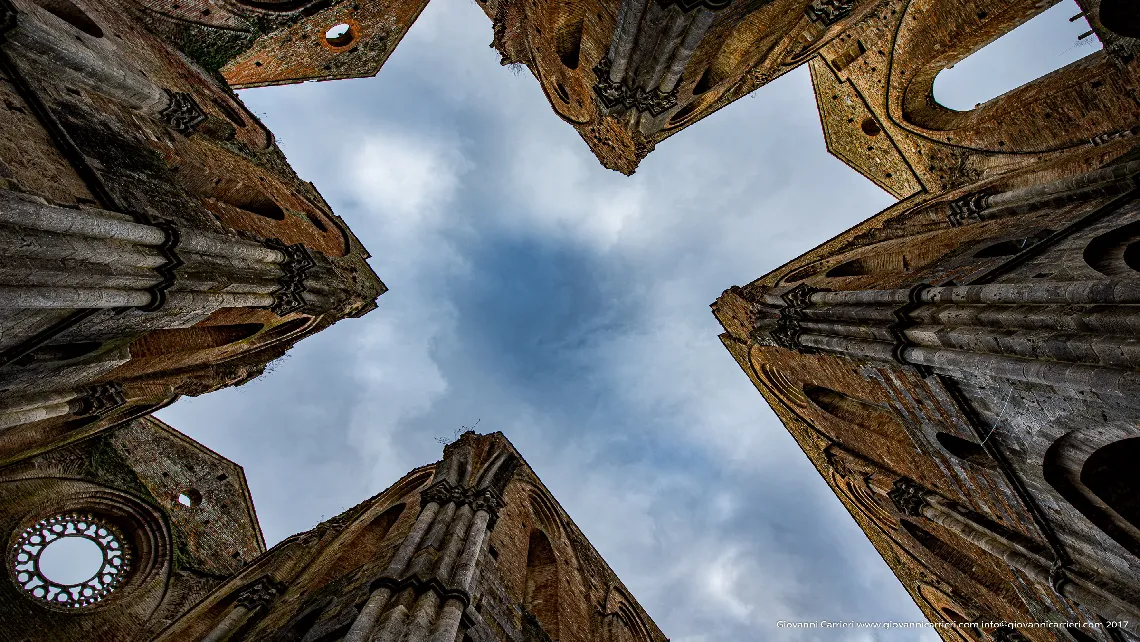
[829, 12]
[786, 335]
[480, 499]
[259, 594]
[909, 497]
[99, 400]
[967, 209]
[799, 296]
[182, 113]
[169, 251]
[298, 261]
[615, 95]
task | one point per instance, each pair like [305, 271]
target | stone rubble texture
[961, 368]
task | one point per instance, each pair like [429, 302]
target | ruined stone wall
[385, 567]
[874, 88]
[960, 369]
[181, 513]
[629, 74]
[157, 241]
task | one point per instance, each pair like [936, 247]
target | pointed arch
[541, 598]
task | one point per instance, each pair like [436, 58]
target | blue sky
[542, 295]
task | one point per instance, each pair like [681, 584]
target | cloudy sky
[537, 293]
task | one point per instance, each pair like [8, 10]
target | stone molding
[260, 593]
[182, 113]
[298, 262]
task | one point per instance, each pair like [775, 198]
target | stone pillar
[25, 410]
[625, 33]
[916, 501]
[250, 600]
[366, 621]
[60, 52]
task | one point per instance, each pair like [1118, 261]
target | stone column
[625, 34]
[61, 52]
[366, 621]
[916, 501]
[452, 612]
[25, 410]
[250, 600]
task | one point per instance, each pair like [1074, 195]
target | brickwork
[960, 367]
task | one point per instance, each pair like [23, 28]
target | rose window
[70, 560]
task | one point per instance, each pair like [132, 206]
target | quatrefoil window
[58, 536]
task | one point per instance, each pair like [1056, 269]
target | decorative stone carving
[100, 400]
[113, 567]
[615, 95]
[786, 335]
[968, 208]
[909, 497]
[168, 249]
[182, 114]
[259, 594]
[290, 296]
[480, 499]
[829, 12]
[799, 296]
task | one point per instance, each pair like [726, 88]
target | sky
[536, 293]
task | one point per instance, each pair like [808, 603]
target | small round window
[340, 35]
[70, 560]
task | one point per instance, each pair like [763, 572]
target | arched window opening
[705, 82]
[1121, 17]
[853, 411]
[880, 264]
[1110, 473]
[1012, 246]
[568, 43]
[1115, 253]
[970, 564]
[682, 114]
[283, 330]
[964, 449]
[259, 203]
[801, 273]
[1038, 47]
[68, 12]
[192, 339]
[1064, 468]
[541, 598]
[366, 545]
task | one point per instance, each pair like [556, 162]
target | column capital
[298, 262]
[263, 591]
[101, 399]
[182, 113]
[909, 497]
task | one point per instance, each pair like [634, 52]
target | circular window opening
[70, 560]
[190, 497]
[340, 35]
[870, 127]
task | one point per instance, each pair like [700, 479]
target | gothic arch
[851, 410]
[541, 598]
[621, 622]
[973, 564]
[192, 339]
[360, 545]
[1012, 122]
[1116, 253]
[1084, 467]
